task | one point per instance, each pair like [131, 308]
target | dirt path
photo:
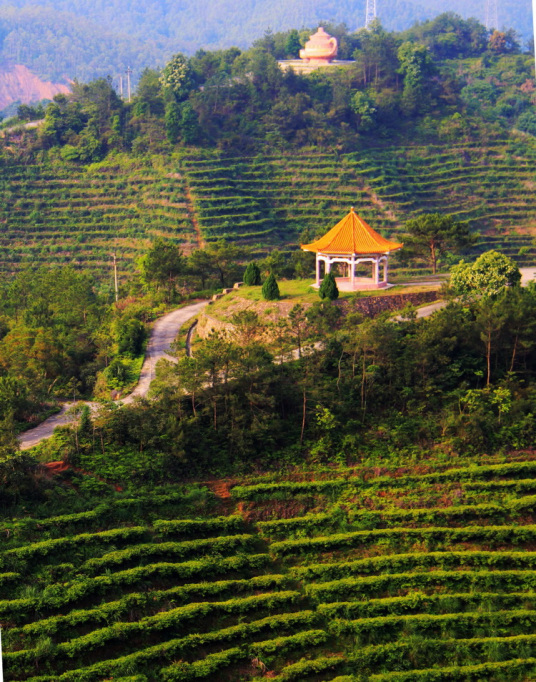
[193, 218]
[162, 336]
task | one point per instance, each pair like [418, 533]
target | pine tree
[252, 275]
[270, 290]
[328, 288]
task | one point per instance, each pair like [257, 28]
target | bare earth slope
[19, 84]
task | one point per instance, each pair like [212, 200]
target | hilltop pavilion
[350, 242]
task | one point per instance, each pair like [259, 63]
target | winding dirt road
[162, 336]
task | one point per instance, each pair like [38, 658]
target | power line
[492, 14]
[370, 14]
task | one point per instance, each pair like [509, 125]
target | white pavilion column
[317, 270]
[328, 264]
[352, 272]
[377, 271]
[385, 267]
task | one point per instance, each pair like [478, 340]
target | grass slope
[417, 573]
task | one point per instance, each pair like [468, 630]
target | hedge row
[224, 543]
[426, 625]
[493, 534]
[517, 667]
[503, 581]
[214, 662]
[407, 654]
[168, 619]
[185, 527]
[59, 595]
[181, 646]
[260, 490]
[26, 553]
[190, 592]
[395, 563]
[419, 602]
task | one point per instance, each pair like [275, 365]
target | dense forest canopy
[451, 77]
[66, 40]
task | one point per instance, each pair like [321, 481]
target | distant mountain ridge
[85, 39]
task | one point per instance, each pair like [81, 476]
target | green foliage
[176, 78]
[252, 275]
[527, 122]
[162, 265]
[328, 288]
[432, 234]
[270, 289]
[487, 276]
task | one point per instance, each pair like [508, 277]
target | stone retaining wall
[372, 306]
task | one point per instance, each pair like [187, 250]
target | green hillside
[55, 213]
[71, 215]
[419, 573]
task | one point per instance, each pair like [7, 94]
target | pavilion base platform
[360, 284]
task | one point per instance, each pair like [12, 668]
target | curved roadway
[162, 336]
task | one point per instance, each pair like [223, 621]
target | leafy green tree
[432, 234]
[162, 266]
[224, 257]
[527, 122]
[131, 334]
[189, 124]
[417, 67]
[270, 289]
[488, 276]
[176, 78]
[329, 289]
[200, 265]
[252, 275]
[149, 98]
[363, 107]
[173, 120]
[293, 45]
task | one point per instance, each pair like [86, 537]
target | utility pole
[129, 73]
[492, 14]
[115, 282]
[370, 14]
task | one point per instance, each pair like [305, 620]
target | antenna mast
[371, 12]
[492, 14]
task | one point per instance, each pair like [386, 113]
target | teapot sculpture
[320, 49]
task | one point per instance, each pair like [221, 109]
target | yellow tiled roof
[352, 235]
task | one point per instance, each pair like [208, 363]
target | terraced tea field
[64, 214]
[421, 573]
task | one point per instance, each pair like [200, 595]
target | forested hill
[225, 145]
[85, 39]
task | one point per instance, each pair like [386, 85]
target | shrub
[252, 275]
[270, 289]
[328, 288]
